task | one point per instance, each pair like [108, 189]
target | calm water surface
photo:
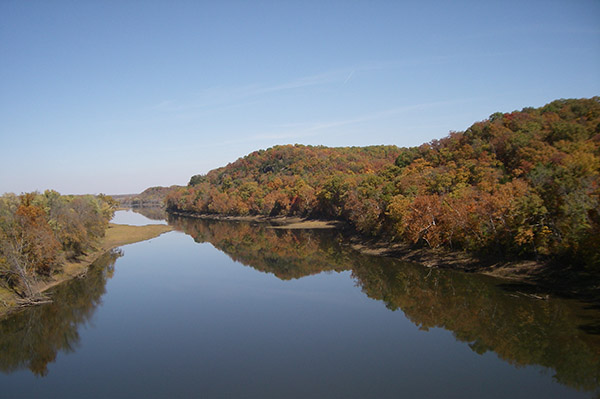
[224, 309]
[140, 216]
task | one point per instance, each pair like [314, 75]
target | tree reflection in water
[32, 338]
[151, 212]
[483, 311]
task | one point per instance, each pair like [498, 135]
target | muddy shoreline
[458, 260]
[286, 222]
[541, 277]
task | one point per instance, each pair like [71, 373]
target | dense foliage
[283, 180]
[38, 232]
[524, 183]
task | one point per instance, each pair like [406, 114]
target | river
[239, 310]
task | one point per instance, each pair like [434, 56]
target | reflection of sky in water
[134, 219]
[180, 318]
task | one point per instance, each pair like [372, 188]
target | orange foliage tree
[524, 183]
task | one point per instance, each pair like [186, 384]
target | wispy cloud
[299, 131]
[217, 97]
[379, 115]
[349, 77]
[220, 96]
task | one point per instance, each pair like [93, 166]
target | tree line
[150, 197]
[39, 232]
[520, 184]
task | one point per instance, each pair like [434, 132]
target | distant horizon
[259, 149]
[102, 97]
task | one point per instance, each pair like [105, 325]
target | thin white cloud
[349, 77]
[380, 115]
[223, 96]
[162, 105]
[306, 130]
[219, 96]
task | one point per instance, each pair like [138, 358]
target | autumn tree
[522, 183]
[39, 231]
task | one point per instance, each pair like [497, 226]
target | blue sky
[117, 96]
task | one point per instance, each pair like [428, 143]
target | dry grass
[116, 236]
[122, 234]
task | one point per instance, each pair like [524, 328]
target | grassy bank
[116, 236]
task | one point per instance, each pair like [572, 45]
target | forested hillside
[525, 184]
[150, 197]
[283, 180]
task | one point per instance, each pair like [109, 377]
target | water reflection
[285, 253]
[481, 311]
[32, 338]
[135, 217]
[520, 328]
[151, 212]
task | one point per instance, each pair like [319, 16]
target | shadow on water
[521, 326]
[32, 338]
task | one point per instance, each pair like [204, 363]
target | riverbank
[116, 235]
[444, 259]
[276, 222]
[518, 271]
[537, 278]
[515, 270]
[540, 277]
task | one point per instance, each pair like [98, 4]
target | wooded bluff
[524, 184]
